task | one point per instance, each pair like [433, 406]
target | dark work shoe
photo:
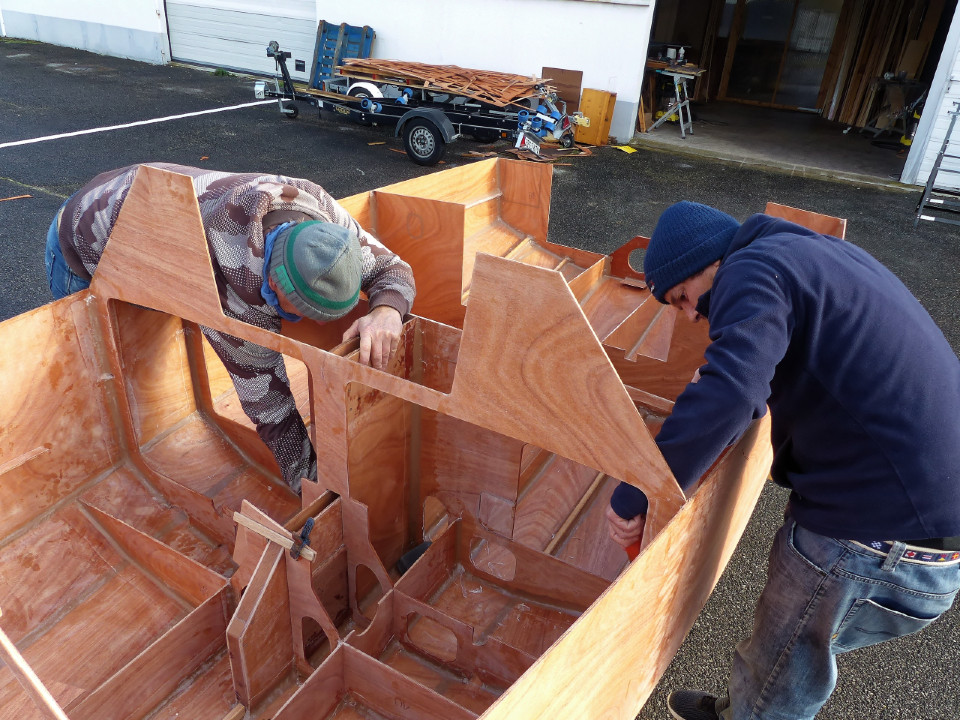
[692, 705]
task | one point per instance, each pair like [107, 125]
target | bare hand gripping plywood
[530, 381]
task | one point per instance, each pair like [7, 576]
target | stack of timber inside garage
[874, 38]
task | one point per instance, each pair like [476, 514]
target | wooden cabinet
[598, 106]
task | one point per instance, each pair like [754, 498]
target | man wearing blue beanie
[863, 392]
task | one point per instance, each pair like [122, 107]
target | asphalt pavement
[598, 203]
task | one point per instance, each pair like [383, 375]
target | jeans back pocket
[868, 623]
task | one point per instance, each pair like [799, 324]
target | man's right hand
[625, 532]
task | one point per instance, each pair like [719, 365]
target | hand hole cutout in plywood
[431, 638]
[368, 591]
[493, 559]
[635, 259]
[316, 645]
[435, 518]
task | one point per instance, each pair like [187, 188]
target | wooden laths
[496, 88]
[872, 39]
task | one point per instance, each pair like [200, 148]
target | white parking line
[133, 124]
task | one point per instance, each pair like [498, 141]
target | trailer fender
[437, 117]
[365, 89]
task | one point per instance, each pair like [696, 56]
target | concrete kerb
[640, 140]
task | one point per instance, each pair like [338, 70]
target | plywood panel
[544, 507]
[525, 204]
[499, 383]
[497, 238]
[50, 568]
[567, 83]
[378, 440]
[141, 223]
[455, 453]
[156, 370]
[611, 303]
[459, 185]
[196, 456]
[123, 495]
[161, 668]
[427, 234]
[258, 636]
[481, 214]
[583, 546]
[646, 614]
[171, 570]
[823, 224]
[96, 639]
[57, 433]
[211, 695]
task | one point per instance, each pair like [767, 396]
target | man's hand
[625, 532]
[379, 332]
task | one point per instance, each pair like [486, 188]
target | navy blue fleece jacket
[863, 388]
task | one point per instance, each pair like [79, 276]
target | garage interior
[810, 85]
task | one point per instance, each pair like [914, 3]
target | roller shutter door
[233, 34]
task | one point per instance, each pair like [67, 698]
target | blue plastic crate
[335, 43]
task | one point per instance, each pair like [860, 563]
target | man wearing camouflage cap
[281, 248]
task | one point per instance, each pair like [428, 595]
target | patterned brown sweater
[232, 207]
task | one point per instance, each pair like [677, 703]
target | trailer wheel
[290, 110]
[423, 142]
[567, 140]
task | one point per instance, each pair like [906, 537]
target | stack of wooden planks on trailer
[495, 88]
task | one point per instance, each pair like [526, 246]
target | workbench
[680, 74]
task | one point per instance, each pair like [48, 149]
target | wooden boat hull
[528, 384]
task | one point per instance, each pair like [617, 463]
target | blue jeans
[824, 597]
[63, 281]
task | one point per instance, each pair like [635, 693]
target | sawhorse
[682, 103]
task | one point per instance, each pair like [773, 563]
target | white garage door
[233, 34]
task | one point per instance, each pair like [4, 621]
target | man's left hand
[379, 332]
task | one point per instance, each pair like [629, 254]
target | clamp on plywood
[294, 546]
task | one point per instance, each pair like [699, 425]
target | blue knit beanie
[688, 237]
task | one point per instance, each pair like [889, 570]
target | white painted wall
[935, 120]
[134, 29]
[606, 40]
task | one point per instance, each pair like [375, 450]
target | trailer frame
[426, 120]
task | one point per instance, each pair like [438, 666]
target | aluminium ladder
[942, 199]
